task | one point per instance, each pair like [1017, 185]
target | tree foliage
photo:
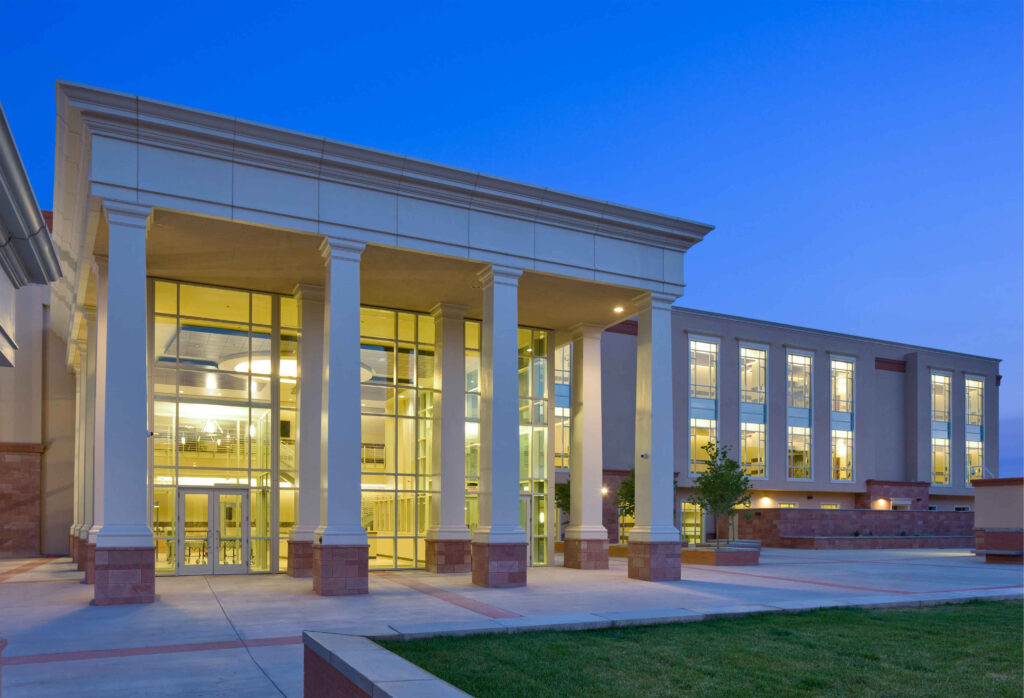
[562, 491]
[722, 487]
[625, 496]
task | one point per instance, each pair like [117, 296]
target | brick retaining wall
[857, 528]
[20, 465]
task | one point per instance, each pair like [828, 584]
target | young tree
[722, 487]
[625, 496]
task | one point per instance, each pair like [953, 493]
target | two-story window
[753, 410]
[842, 420]
[974, 430]
[940, 386]
[703, 401]
[798, 415]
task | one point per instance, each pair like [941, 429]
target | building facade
[818, 420]
[293, 355]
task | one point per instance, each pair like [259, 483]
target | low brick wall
[831, 529]
[20, 465]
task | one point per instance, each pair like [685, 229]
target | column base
[341, 569]
[449, 556]
[586, 554]
[655, 562]
[124, 576]
[90, 562]
[499, 565]
[300, 558]
[73, 547]
[80, 553]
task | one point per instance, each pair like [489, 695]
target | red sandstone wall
[794, 527]
[19, 498]
[916, 492]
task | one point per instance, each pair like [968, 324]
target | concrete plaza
[220, 635]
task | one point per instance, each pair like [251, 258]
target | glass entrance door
[213, 531]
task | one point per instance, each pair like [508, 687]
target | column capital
[455, 311]
[585, 329]
[87, 311]
[99, 263]
[497, 275]
[127, 215]
[345, 250]
[309, 292]
[655, 300]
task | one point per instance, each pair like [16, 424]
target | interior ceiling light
[618, 309]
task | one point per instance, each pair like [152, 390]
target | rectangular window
[940, 397]
[829, 506]
[961, 507]
[799, 453]
[974, 389]
[940, 461]
[703, 370]
[702, 432]
[975, 461]
[562, 434]
[799, 380]
[842, 455]
[752, 449]
[753, 375]
[787, 505]
[842, 386]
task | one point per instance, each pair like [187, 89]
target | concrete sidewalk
[208, 636]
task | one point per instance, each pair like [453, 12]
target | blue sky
[861, 161]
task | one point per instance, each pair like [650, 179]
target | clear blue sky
[862, 161]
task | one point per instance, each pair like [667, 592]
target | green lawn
[961, 650]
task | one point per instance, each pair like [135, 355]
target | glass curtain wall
[753, 411]
[224, 380]
[703, 401]
[842, 420]
[397, 406]
[940, 428]
[798, 427]
[974, 399]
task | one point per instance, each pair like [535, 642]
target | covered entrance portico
[363, 364]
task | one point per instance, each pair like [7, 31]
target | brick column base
[72, 546]
[341, 569]
[499, 564]
[90, 563]
[655, 562]
[449, 556]
[124, 575]
[300, 558]
[586, 554]
[80, 553]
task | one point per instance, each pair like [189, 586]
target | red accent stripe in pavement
[451, 597]
[141, 651]
[21, 569]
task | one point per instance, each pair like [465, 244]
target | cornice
[159, 124]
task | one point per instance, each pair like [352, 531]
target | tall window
[798, 428]
[563, 412]
[799, 380]
[752, 449]
[533, 440]
[974, 394]
[704, 370]
[692, 523]
[703, 401]
[472, 424]
[799, 453]
[753, 413]
[702, 432]
[753, 375]
[842, 420]
[940, 428]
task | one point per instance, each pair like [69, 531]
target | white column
[76, 497]
[586, 452]
[122, 368]
[311, 383]
[655, 458]
[340, 497]
[448, 501]
[89, 426]
[99, 362]
[499, 409]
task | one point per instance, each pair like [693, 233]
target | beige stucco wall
[999, 505]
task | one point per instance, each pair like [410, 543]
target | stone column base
[124, 575]
[341, 569]
[499, 564]
[80, 553]
[72, 546]
[449, 556]
[300, 558]
[655, 562]
[90, 562]
[586, 554]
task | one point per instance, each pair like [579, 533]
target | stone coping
[379, 672]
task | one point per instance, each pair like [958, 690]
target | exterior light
[618, 309]
[604, 490]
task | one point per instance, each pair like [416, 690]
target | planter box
[719, 557]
